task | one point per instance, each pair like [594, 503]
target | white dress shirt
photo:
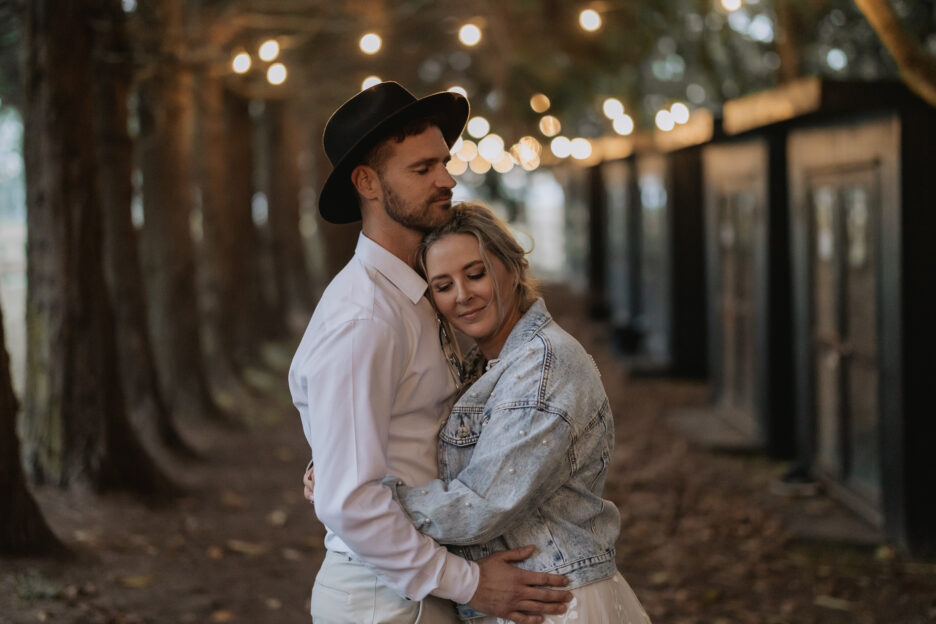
[372, 387]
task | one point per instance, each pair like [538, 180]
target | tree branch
[917, 67]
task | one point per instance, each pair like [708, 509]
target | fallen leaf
[284, 454]
[136, 582]
[291, 554]
[277, 517]
[222, 615]
[273, 604]
[215, 552]
[42, 616]
[233, 500]
[246, 548]
[831, 602]
[314, 541]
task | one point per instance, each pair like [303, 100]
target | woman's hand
[308, 483]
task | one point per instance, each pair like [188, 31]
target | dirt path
[702, 538]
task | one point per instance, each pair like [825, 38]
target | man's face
[417, 188]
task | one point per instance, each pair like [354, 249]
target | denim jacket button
[512, 470]
[468, 504]
[423, 492]
[545, 442]
[522, 432]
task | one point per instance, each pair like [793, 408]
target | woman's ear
[365, 180]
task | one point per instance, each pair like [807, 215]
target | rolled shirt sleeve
[521, 458]
[357, 383]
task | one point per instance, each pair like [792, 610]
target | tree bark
[23, 530]
[75, 424]
[788, 41]
[166, 130]
[917, 67]
[145, 402]
[293, 281]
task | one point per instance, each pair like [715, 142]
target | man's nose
[445, 179]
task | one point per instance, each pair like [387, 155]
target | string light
[276, 74]
[469, 34]
[624, 125]
[539, 103]
[664, 121]
[550, 126]
[580, 148]
[491, 147]
[459, 90]
[731, 5]
[479, 165]
[680, 112]
[241, 63]
[612, 108]
[561, 147]
[269, 50]
[370, 43]
[590, 20]
[456, 166]
[370, 81]
[478, 127]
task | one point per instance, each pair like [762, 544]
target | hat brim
[338, 201]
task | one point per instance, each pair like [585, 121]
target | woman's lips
[472, 314]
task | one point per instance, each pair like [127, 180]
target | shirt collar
[529, 324]
[398, 272]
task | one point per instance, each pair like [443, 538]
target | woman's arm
[522, 457]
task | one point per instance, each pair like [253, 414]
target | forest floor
[703, 541]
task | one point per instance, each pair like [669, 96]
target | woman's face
[463, 291]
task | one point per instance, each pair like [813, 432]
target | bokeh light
[561, 147]
[269, 50]
[241, 63]
[503, 164]
[370, 81]
[624, 125]
[479, 165]
[612, 108]
[456, 166]
[491, 147]
[550, 126]
[580, 148]
[370, 43]
[276, 74]
[459, 90]
[680, 112]
[469, 34]
[468, 150]
[664, 121]
[539, 103]
[478, 127]
[590, 20]
[731, 5]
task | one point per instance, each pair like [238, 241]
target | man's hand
[308, 483]
[518, 595]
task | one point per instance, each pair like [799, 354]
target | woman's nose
[462, 294]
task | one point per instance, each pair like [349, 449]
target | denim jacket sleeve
[523, 455]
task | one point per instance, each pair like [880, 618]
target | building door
[738, 214]
[844, 301]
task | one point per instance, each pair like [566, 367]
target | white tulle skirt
[611, 601]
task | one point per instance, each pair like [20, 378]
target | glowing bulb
[581, 148]
[370, 43]
[549, 125]
[680, 112]
[468, 150]
[503, 164]
[469, 34]
[456, 166]
[612, 108]
[561, 147]
[491, 147]
[276, 74]
[590, 20]
[269, 50]
[731, 5]
[457, 145]
[664, 120]
[456, 89]
[624, 125]
[539, 103]
[478, 127]
[241, 63]
[479, 165]
[370, 81]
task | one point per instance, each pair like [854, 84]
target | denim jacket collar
[528, 326]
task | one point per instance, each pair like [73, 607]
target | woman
[524, 454]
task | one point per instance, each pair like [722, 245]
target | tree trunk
[144, 397]
[293, 282]
[166, 123]
[788, 41]
[917, 67]
[75, 423]
[243, 297]
[23, 530]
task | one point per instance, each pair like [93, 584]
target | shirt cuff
[459, 579]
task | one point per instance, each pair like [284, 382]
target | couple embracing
[452, 488]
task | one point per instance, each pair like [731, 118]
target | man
[371, 383]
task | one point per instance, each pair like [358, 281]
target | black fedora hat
[364, 120]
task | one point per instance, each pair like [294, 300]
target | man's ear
[364, 179]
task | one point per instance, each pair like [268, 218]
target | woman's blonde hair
[494, 240]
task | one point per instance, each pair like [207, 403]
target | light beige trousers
[346, 592]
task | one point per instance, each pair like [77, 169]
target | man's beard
[422, 220]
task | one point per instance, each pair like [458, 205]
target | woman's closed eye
[442, 287]
[476, 276]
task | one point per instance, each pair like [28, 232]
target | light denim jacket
[523, 459]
